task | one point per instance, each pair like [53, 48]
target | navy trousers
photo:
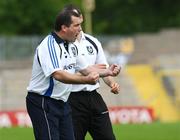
[51, 119]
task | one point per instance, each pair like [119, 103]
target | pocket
[99, 106]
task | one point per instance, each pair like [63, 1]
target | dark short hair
[71, 7]
[64, 18]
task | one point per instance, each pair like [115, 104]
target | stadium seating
[152, 92]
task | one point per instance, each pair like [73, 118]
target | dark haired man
[52, 75]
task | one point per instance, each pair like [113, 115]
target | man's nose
[80, 28]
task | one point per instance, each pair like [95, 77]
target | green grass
[154, 131]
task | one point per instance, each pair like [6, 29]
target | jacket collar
[57, 38]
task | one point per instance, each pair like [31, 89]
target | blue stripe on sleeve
[50, 52]
[56, 59]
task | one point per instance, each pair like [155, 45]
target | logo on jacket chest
[90, 50]
[74, 51]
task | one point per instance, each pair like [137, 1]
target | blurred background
[142, 36]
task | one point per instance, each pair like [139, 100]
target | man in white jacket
[89, 111]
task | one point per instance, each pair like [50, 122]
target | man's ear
[63, 28]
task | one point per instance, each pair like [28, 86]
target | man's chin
[72, 40]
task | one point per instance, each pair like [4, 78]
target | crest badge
[90, 49]
[74, 51]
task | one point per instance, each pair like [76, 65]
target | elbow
[56, 76]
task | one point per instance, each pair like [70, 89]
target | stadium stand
[13, 88]
[167, 68]
[152, 92]
[154, 50]
[128, 95]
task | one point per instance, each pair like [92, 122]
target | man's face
[74, 29]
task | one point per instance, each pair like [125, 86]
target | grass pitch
[154, 131]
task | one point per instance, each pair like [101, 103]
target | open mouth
[76, 34]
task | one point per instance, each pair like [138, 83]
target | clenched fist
[115, 88]
[114, 69]
[92, 78]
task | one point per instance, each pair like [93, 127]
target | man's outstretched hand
[103, 71]
[114, 69]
